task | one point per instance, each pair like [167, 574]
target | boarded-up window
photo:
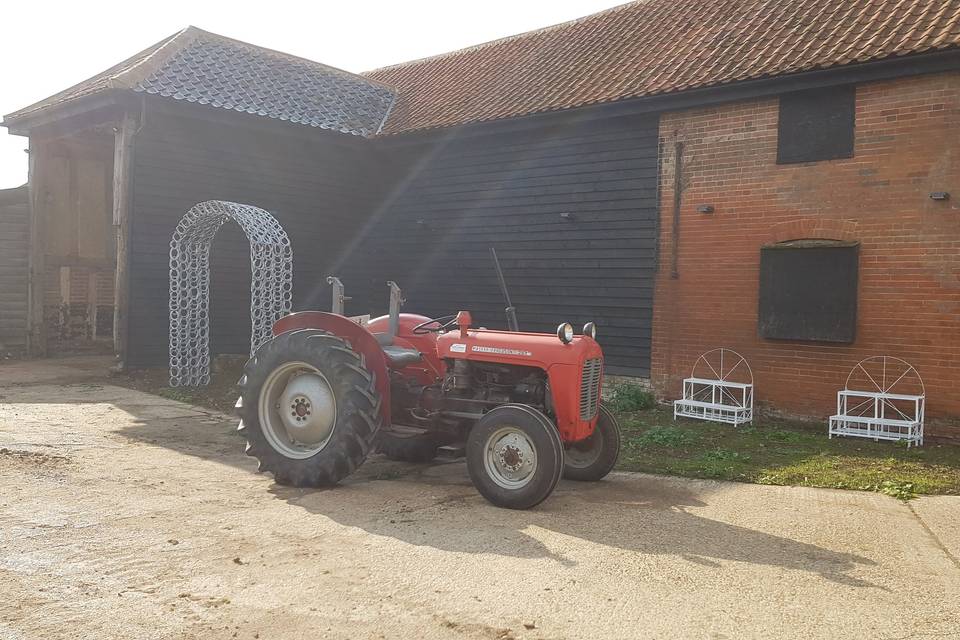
[808, 290]
[816, 125]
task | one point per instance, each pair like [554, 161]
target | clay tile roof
[205, 68]
[639, 49]
[659, 46]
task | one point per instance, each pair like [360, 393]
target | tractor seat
[400, 357]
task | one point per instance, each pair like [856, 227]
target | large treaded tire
[540, 431]
[419, 448]
[598, 453]
[357, 407]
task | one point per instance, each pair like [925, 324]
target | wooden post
[65, 303]
[122, 175]
[36, 329]
[92, 304]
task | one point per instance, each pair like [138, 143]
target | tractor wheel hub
[511, 458]
[301, 407]
[310, 410]
[298, 410]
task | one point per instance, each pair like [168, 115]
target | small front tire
[514, 456]
[594, 457]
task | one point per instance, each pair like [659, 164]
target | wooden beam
[64, 286]
[36, 330]
[122, 176]
[65, 303]
[92, 305]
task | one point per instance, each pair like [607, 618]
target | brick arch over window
[810, 228]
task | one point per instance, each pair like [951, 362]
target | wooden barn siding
[14, 244]
[315, 186]
[461, 195]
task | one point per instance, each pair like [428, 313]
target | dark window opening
[808, 290]
[816, 125]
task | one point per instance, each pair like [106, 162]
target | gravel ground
[126, 515]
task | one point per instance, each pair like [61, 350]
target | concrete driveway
[125, 515]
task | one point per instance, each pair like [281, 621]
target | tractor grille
[590, 388]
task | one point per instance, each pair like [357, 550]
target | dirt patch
[32, 459]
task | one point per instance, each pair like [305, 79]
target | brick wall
[907, 144]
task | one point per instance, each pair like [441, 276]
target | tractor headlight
[565, 333]
[590, 329]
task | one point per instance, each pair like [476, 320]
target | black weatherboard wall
[315, 183]
[14, 244]
[571, 208]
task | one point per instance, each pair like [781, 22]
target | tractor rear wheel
[309, 409]
[594, 457]
[514, 456]
[415, 448]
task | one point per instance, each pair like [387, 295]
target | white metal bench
[719, 389]
[875, 402]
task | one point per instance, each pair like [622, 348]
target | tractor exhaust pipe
[396, 301]
[336, 304]
[511, 310]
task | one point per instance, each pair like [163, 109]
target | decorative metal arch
[271, 283]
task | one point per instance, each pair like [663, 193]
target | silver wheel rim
[510, 458]
[581, 455]
[297, 410]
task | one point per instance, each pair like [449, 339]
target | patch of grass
[721, 463]
[630, 397]
[179, 394]
[901, 490]
[671, 437]
[784, 453]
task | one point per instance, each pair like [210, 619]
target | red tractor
[524, 408]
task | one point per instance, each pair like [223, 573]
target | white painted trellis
[271, 283]
[883, 399]
[719, 389]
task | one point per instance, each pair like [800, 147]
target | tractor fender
[361, 340]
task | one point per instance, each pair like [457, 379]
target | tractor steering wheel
[442, 324]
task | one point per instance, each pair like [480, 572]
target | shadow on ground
[642, 514]
[435, 505]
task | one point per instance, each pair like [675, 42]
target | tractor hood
[574, 369]
[541, 350]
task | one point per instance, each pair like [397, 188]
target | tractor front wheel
[593, 457]
[514, 456]
[308, 408]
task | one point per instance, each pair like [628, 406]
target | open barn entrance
[73, 241]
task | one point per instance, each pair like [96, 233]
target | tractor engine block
[468, 390]
[477, 387]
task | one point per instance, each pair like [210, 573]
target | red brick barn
[880, 191]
